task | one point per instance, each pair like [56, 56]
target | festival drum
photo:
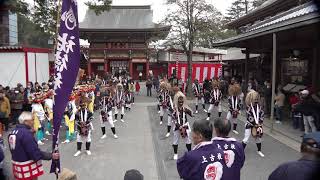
[104, 116]
[84, 129]
[216, 103]
[183, 131]
[257, 131]
[234, 114]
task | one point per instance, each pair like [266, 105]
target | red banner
[200, 71]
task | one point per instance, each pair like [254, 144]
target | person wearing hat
[234, 102]
[83, 122]
[26, 155]
[119, 102]
[199, 94]
[254, 123]
[107, 102]
[163, 97]
[215, 99]
[307, 167]
[181, 125]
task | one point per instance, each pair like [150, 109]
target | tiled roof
[120, 17]
[296, 17]
[292, 13]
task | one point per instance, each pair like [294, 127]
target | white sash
[196, 86]
[255, 114]
[183, 117]
[84, 119]
[234, 103]
[171, 103]
[216, 94]
[119, 97]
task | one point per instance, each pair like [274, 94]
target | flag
[67, 62]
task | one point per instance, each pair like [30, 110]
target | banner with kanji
[67, 62]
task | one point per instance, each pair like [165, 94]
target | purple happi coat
[204, 162]
[233, 154]
[23, 145]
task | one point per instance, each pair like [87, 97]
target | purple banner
[67, 62]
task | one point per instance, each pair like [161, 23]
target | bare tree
[187, 18]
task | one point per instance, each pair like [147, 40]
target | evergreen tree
[238, 8]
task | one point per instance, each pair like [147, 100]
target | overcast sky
[158, 6]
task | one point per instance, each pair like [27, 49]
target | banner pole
[58, 5]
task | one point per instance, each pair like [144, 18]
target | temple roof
[267, 9]
[121, 18]
[299, 16]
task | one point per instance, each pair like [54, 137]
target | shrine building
[119, 40]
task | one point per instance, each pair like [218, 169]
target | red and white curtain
[200, 71]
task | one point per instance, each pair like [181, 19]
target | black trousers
[149, 92]
[5, 122]
[15, 115]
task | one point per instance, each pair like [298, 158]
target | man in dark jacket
[306, 168]
[26, 155]
[149, 87]
[205, 161]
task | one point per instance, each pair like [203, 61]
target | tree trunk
[189, 59]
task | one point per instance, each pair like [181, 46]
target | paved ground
[142, 145]
[255, 168]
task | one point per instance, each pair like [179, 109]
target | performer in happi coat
[163, 97]
[255, 117]
[233, 150]
[181, 124]
[69, 118]
[234, 105]
[119, 102]
[170, 108]
[132, 90]
[40, 118]
[83, 122]
[48, 108]
[204, 162]
[215, 98]
[106, 112]
[26, 155]
[199, 95]
[128, 100]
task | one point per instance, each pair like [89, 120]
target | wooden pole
[54, 51]
[57, 25]
[273, 86]
[246, 74]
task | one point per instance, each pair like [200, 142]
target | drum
[257, 131]
[84, 129]
[164, 105]
[104, 116]
[216, 103]
[183, 131]
[234, 114]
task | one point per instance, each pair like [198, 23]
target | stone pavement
[111, 157]
[255, 168]
[142, 145]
